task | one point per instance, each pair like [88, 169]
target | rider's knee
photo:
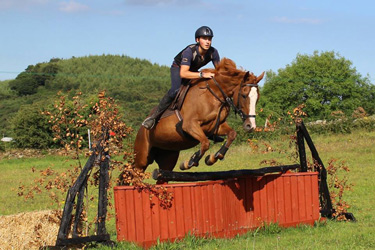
[172, 93]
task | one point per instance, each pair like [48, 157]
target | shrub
[31, 129]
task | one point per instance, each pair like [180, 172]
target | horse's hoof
[208, 161]
[184, 165]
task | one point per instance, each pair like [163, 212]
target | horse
[204, 111]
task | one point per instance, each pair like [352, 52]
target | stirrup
[149, 123]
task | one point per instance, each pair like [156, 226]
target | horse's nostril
[247, 127]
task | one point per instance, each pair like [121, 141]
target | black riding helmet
[204, 31]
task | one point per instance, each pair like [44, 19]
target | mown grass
[16, 172]
[356, 149]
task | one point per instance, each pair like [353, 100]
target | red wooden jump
[221, 208]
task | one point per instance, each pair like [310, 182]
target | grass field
[356, 149]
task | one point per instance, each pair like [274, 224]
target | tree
[324, 82]
[24, 84]
[46, 73]
[31, 128]
[27, 82]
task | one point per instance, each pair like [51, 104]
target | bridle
[227, 100]
[237, 108]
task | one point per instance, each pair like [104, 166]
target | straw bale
[30, 230]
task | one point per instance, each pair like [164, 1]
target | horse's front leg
[194, 129]
[224, 129]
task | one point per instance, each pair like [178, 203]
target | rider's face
[204, 42]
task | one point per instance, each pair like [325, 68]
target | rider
[185, 67]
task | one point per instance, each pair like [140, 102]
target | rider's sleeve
[187, 57]
[215, 57]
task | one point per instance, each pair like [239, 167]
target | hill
[136, 84]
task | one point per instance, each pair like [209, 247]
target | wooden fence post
[301, 148]
[78, 190]
[325, 198]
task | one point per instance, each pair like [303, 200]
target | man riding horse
[185, 67]
[206, 105]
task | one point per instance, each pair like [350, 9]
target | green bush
[31, 128]
[342, 126]
[367, 123]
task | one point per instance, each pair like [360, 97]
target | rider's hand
[207, 75]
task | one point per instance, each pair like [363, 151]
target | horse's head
[245, 98]
[242, 87]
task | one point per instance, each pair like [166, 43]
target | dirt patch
[30, 230]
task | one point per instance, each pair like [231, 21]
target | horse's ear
[260, 77]
[247, 74]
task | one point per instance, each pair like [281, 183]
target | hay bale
[30, 230]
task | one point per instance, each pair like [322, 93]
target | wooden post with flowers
[107, 129]
[99, 154]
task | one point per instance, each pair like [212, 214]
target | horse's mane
[227, 67]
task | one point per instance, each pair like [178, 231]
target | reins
[223, 102]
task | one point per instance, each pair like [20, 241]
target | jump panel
[221, 208]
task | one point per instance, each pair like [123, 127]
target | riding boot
[150, 121]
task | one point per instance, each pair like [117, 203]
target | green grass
[356, 149]
[16, 172]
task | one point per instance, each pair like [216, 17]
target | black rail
[164, 175]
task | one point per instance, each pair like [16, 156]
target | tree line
[324, 81]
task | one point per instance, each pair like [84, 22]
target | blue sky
[258, 35]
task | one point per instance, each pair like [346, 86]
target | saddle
[176, 105]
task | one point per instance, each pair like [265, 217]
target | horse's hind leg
[143, 156]
[166, 160]
[143, 151]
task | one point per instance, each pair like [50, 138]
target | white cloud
[73, 6]
[297, 20]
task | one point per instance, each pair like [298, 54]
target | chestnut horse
[204, 112]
